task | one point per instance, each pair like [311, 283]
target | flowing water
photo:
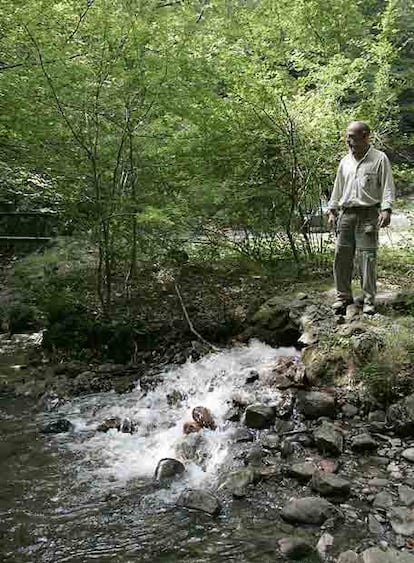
[89, 496]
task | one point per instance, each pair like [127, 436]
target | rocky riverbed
[298, 443]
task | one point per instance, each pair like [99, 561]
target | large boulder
[388, 555]
[259, 416]
[401, 416]
[309, 510]
[327, 484]
[167, 469]
[202, 501]
[314, 404]
[274, 323]
[325, 365]
[328, 439]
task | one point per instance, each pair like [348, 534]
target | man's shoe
[368, 309]
[339, 307]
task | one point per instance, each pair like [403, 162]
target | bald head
[357, 138]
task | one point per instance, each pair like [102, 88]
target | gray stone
[324, 545]
[378, 482]
[294, 548]
[348, 557]
[242, 435]
[374, 526]
[386, 555]
[401, 416]
[349, 410]
[314, 404]
[402, 520]
[168, 468]
[309, 510]
[271, 441]
[200, 500]
[377, 416]
[406, 495]
[328, 439]
[301, 471]
[238, 482]
[408, 454]
[57, 427]
[328, 484]
[259, 416]
[255, 455]
[363, 443]
[383, 500]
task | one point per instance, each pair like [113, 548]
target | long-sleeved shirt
[363, 183]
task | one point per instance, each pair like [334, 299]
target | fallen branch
[189, 322]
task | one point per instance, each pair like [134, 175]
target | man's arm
[336, 195]
[388, 192]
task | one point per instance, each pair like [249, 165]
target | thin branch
[62, 112]
[189, 322]
[82, 16]
[5, 66]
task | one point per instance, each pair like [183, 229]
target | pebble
[408, 454]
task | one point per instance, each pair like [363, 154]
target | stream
[89, 496]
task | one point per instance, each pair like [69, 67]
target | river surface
[89, 496]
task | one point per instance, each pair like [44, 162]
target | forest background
[186, 144]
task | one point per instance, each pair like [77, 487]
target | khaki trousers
[357, 232]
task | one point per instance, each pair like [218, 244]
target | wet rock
[252, 377]
[314, 404]
[259, 416]
[349, 411]
[168, 468]
[348, 557]
[301, 471]
[243, 435]
[191, 427]
[203, 417]
[383, 500]
[408, 454]
[294, 548]
[273, 324]
[401, 416]
[374, 526]
[238, 482]
[175, 398]
[402, 520]
[287, 448]
[406, 495]
[365, 345]
[385, 555]
[328, 484]
[309, 510]
[285, 407]
[328, 439]
[109, 424]
[127, 426]
[288, 371]
[233, 415]
[200, 500]
[271, 441]
[325, 545]
[363, 443]
[57, 427]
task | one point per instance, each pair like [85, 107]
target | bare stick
[189, 322]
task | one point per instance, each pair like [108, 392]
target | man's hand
[385, 218]
[332, 219]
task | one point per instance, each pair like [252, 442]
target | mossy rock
[322, 365]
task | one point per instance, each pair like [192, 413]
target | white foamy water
[213, 382]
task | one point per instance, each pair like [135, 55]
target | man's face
[356, 139]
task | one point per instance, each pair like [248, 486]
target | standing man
[360, 204]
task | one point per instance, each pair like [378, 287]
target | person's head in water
[357, 138]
